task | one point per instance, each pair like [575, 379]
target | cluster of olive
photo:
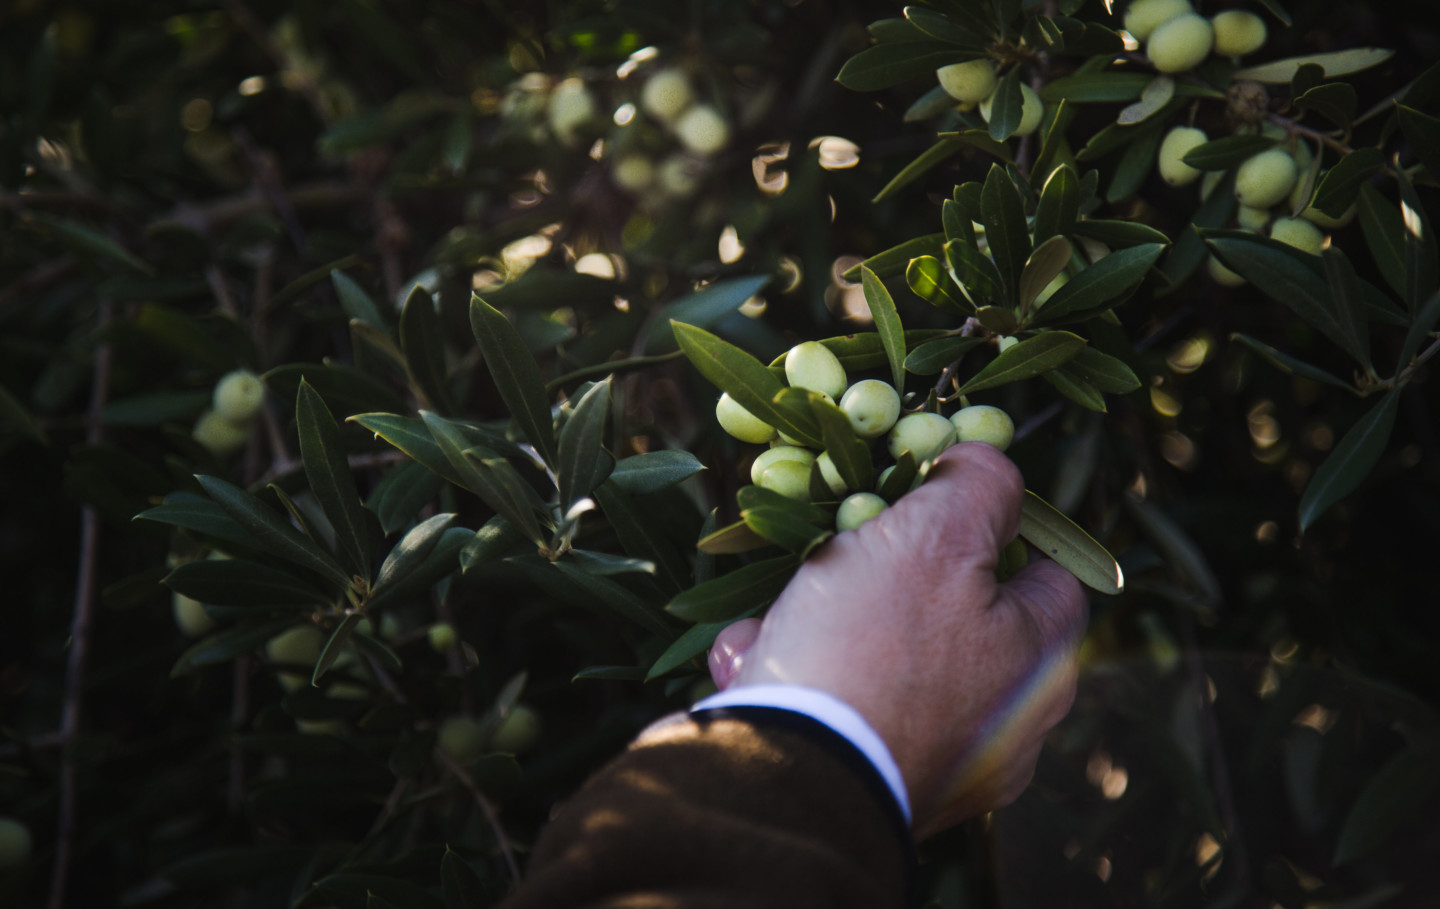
[873, 408]
[234, 404]
[701, 131]
[973, 82]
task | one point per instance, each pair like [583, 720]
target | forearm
[742, 809]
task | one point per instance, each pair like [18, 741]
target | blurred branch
[39, 278]
[80, 623]
[221, 212]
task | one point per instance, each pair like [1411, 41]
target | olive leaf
[1060, 538]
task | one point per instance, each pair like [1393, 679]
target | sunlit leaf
[1046, 262]
[732, 539]
[736, 593]
[413, 549]
[654, 470]
[746, 379]
[1335, 64]
[930, 281]
[1152, 100]
[1026, 359]
[1422, 253]
[1076, 551]
[583, 463]
[516, 374]
[1102, 285]
[893, 261]
[887, 324]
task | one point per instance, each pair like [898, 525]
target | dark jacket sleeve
[753, 807]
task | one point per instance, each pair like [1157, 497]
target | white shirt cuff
[827, 709]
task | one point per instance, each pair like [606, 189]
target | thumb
[728, 652]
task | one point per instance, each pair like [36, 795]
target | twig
[488, 809]
[80, 623]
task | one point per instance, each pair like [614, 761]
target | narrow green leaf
[344, 389]
[746, 380]
[226, 645]
[1341, 184]
[977, 274]
[1003, 215]
[1286, 363]
[583, 463]
[731, 539]
[1335, 101]
[784, 528]
[1277, 11]
[1119, 234]
[1189, 249]
[736, 593]
[610, 674]
[751, 496]
[88, 244]
[335, 646]
[1046, 262]
[1135, 165]
[1103, 371]
[1059, 205]
[643, 536]
[423, 341]
[1101, 286]
[495, 539]
[1401, 791]
[517, 375]
[930, 281]
[933, 356]
[957, 226]
[1085, 88]
[442, 562]
[1182, 555]
[929, 158]
[1423, 131]
[1384, 229]
[1060, 538]
[887, 324]
[271, 533]
[1335, 64]
[401, 493]
[1283, 273]
[893, 261]
[1223, 154]
[901, 478]
[1152, 100]
[356, 302]
[694, 642]
[413, 549]
[1025, 359]
[654, 470]
[201, 516]
[1351, 461]
[1422, 260]
[1420, 328]
[1006, 106]
[930, 105]
[605, 563]
[704, 308]
[242, 582]
[1054, 147]
[610, 594]
[847, 450]
[1076, 389]
[328, 472]
[412, 437]
[1348, 303]
[492, 479]
[886, 65]
[942, 27]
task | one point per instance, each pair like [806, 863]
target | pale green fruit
[812, 365]
[634, 173]
[1180, 43]
[1238, 32]
[924, 435]
[298, 646]
[678, 176]
[1223, 275]
[16, 844]
[1265, 179]
[1031, 110]
[238, 396]
[777, 454]
[571, 109]
[518, 732]
[741, 423]
[442, 637]
[1299, 233]
[1142, 16]
[461, 738]
[983, 423]
[858, 509]
[873, 407]
[702, 130]
[970, 82]
[666, 95]
[190, 616]
[1179, 142]
[1252, 218]
[218, 435]
[831, 475]
[789, 478]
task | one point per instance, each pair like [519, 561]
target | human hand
[903, 620]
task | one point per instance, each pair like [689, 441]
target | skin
[933, 655]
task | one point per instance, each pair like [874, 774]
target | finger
[1053, 599]
[969, 503]
[728, 652]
